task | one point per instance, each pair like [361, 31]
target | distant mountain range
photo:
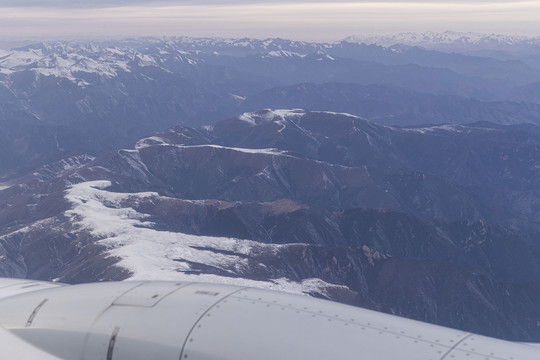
[61, 98]
[436, 223]
[434, 39]
[502, 47]
[453, 41]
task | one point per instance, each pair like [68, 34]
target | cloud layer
[310, 20]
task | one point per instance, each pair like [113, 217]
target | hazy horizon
[298, 20]
[14, 42]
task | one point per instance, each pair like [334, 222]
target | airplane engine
[196, 321]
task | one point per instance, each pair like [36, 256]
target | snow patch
[157, 141]
[255, 118]
[432, 129]
[289, 113]
[270, 151]
[150, 254]
[247, 117]
[337, 113]
[238, 97]
[150, 141]
[284, 53]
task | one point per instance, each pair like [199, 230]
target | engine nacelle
[179, 320]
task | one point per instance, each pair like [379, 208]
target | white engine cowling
[177, 320]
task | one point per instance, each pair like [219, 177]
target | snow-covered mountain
[447, 39]
[245, 46]
[313, 202]
[76, 62]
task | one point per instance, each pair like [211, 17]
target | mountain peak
[268, 115]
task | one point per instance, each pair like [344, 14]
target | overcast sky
[302, 20]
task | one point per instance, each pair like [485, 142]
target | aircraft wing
[180, 320]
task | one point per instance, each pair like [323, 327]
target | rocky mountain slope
[438, 223]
